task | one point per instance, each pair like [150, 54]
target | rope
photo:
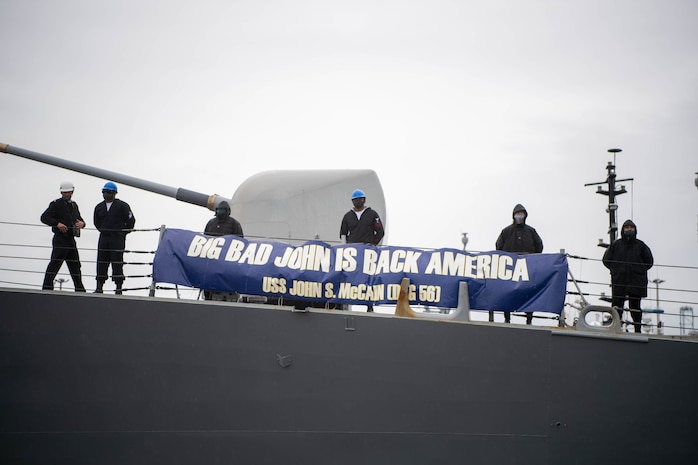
[598, 260]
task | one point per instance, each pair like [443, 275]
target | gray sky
[462, 108]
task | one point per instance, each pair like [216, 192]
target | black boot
[100, 285]
[118, 289]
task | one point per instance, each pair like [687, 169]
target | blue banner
[361, 274]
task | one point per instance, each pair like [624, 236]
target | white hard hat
[67, 186]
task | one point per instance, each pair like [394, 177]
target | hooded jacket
[223, 225]
[519, 238]
[628, 259]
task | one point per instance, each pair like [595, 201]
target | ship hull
[102, 379]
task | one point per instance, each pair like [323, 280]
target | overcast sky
[463, 108]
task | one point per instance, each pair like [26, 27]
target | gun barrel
[178, 193]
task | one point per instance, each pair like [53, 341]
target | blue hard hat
[110, 186]
[357, 194]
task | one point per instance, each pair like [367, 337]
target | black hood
[628, 223]
[225, 206]
[519, 208]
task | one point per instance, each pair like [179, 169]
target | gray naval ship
[88, 378]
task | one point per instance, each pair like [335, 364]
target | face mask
[519, 217]
[358, 203]
[221, 213]
[629, 232]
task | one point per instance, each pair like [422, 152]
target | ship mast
[612, 192]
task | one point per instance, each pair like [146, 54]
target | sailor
[63, 215]
[114, 220]
[518, 238]
[361, 224]
[628, 259]
[222, 225]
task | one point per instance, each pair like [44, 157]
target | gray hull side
[98, 379]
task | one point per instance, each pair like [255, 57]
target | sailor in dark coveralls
[114, 219]
[361, 224]
[519, 238]
[63, 215]
[222, 225]
[628, 259]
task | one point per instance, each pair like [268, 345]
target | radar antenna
[612, 191]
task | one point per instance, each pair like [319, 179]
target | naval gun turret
[196, 198]
[287, 205]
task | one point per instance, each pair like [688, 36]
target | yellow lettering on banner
[410, 265]
[309, 289]
[451, 265]
[362, 292]
[197, 244]
[434, 265]
[273, 285]
[383, 264]
[520, 270]
[430, 294]
[370, 257]
[308, 257]
[282, 261]
[215, 248]
[263, 253]
[253, 254]
[319, 258]
[454, 264]
[234, 251]
[397, 263]
[387, 261]
[248, 254]
[345, 259]
[469, 271]
[483, 266]
[503, 271]
[393, 292]
[375, 292]
[204, 247]
[494, 266]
